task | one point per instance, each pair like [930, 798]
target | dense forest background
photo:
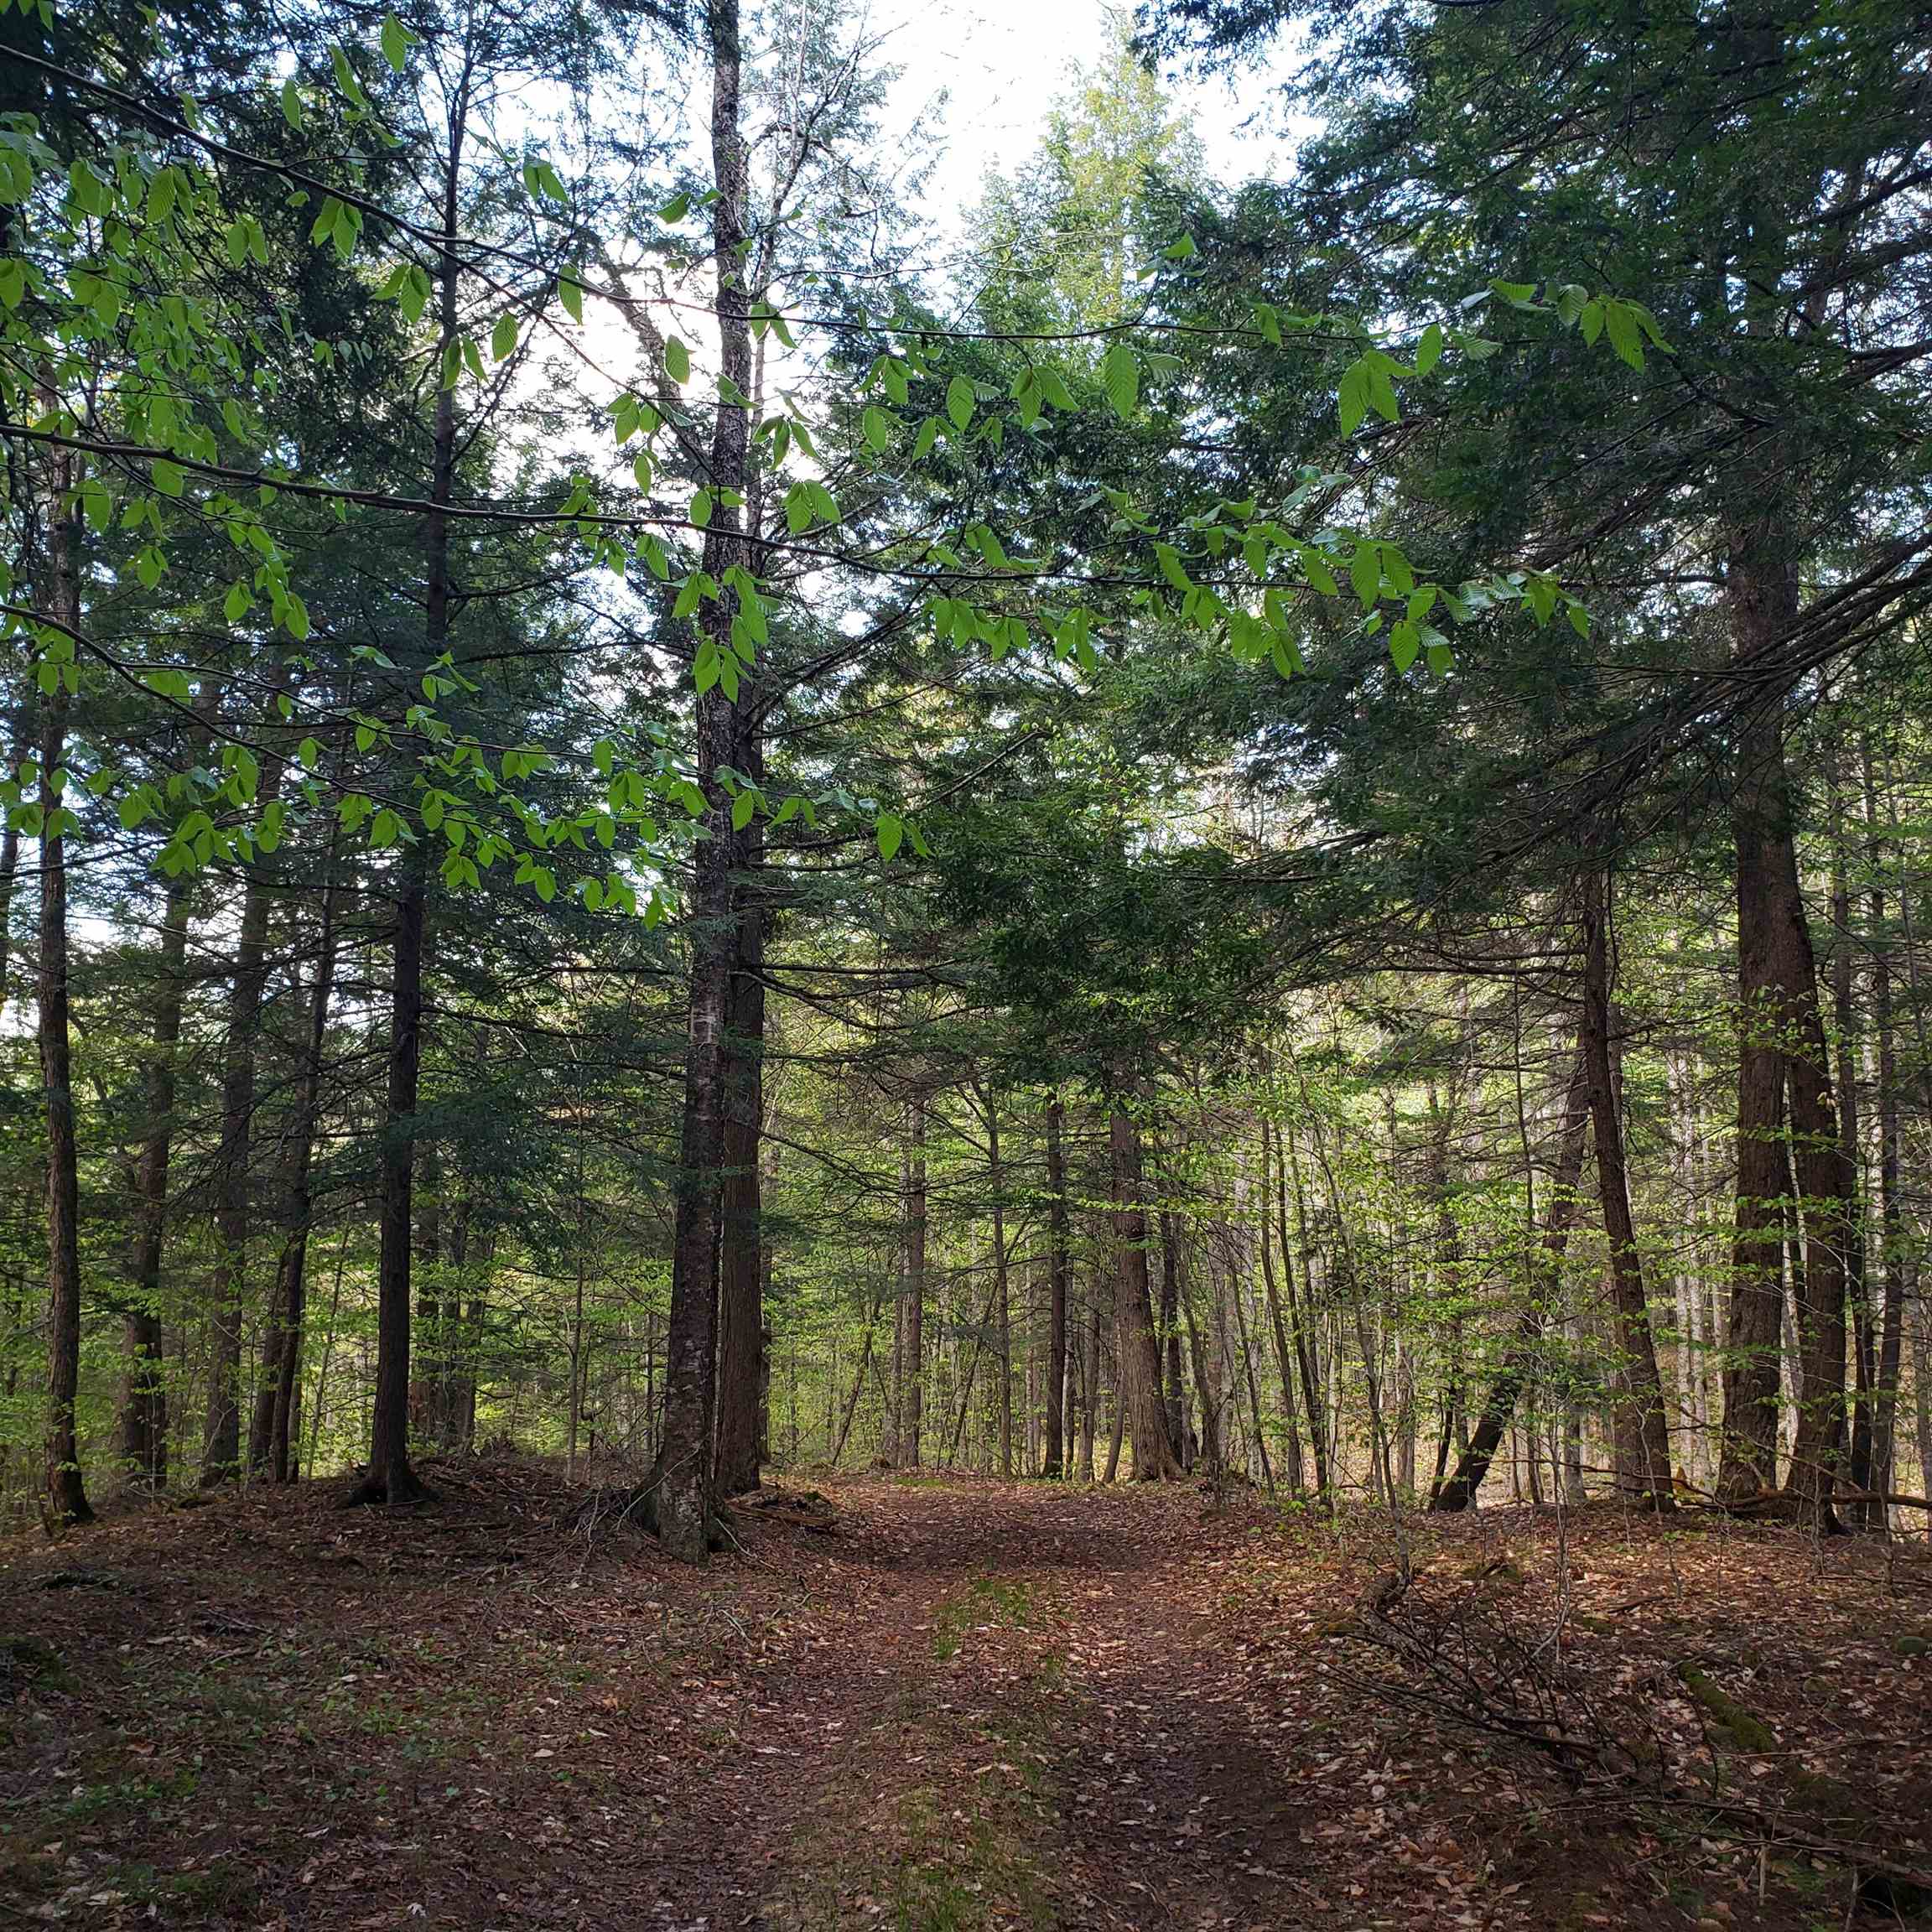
[1268, 828]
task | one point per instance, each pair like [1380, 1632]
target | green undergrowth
[986, 1601]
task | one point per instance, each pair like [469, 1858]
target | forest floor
[968, 1705]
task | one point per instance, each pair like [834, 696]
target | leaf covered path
[972, 1705]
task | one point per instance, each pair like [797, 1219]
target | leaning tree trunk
[1642, 1441]
[1519, 1359]
[1136, 1349]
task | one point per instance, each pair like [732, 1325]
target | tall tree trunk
[144, 1395]
[57, 598]
[740, 1275]
[222, 1437]
[1090, 1384]
[1178, 1431]
[1002, 1311]
[912, 1289]
[391, 1477]
[19, 742]
[1059, 1262]
[1519, 1360]
[272, 1428]
[1138, 1353]
[1891, 1321]
[1206, 1392]
[1845, 1028]
[1277, 1327]
[1642, 1443]
[1303, 1315]
[1760, 817]
[683, 1479]
[1783, 1051]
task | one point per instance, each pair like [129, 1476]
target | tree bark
[221, 1436]
[1891, 1320]
[391, 1477]
[58, 597]
[1138, 1353]
[1518, 1360]
[684, 1480]
[272, 1428]
[1782, 1055]
[741, 1287]
[912, 1291]
[1642, 1443]
[1277, 1326]
[1059, 1262]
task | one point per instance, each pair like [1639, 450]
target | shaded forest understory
[964, 1704]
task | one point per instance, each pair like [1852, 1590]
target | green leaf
[291, 103]
[1429, 349]
[742, 808]
[959, 402]
[169, 478]
[1365, 573]
[570, 293]
[395, 43]
[701, 509]
[1352, 397]
[879, 429]
[1120, 378]
[676, 360]
[503, 337]
[891, 833]
[1625, 338]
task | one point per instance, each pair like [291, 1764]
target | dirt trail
[975, 1706]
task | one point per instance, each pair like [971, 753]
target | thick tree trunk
[1137, 1351]
[741, 1274]
[684, 1478]
[1784, 1053]
[1642, 1443]
[1519, 1360]
[1760, 815]
[1058, 1262]
[57, 598]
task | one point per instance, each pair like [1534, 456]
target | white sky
[1003, 64]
